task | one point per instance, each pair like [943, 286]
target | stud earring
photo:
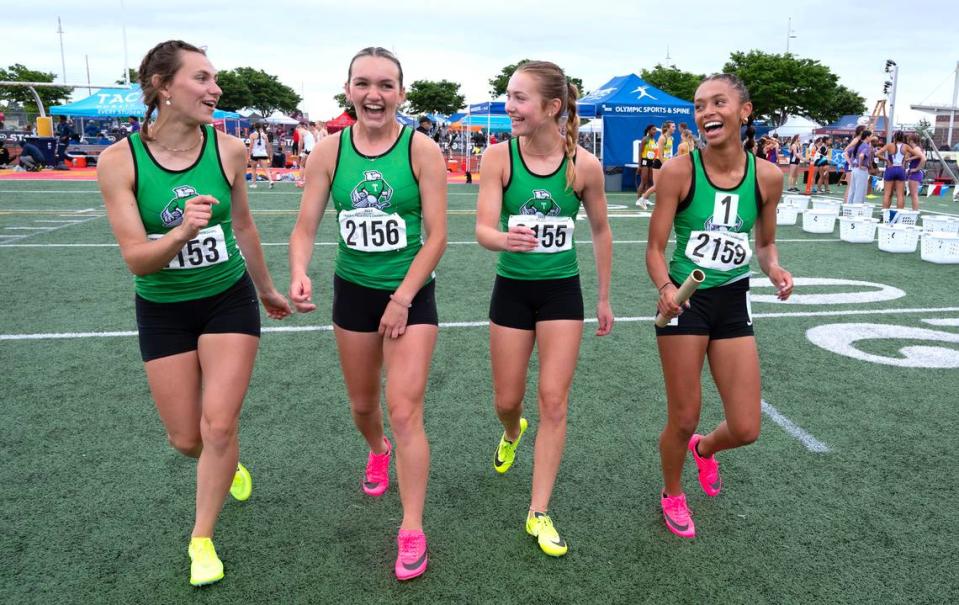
[167, 102]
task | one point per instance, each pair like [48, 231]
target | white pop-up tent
[795, 125]
[278, 117]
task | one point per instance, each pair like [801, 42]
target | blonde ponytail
[572, 133]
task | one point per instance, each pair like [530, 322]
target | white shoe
[641, 203]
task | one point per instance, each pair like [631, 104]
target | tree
[236, 94]
[498, 84]
[345, 104]
[673, 80]
[134, 77]
[268, 93]
[426, 96]
[784, 85]
[20, 96]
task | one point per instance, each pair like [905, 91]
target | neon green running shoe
[540, 526]
[205, 567]
[506, 451]
[242, 485]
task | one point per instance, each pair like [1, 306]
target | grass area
[97, 507]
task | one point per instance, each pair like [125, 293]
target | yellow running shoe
[540, 526]
[205, 566]
[242, 485]
[506, 450]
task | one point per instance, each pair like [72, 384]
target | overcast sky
[308, 45]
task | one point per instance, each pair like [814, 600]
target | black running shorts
[720, 312]
[175, 327]
[359, 309]
[520, 303]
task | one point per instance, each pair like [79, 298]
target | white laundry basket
[818, 221]
[857, 230]
[940, 247]
[898, 238]
[800, 202]
[786, 214]
[825, 203]
[900, 217]
[940, 224]
[857, 210]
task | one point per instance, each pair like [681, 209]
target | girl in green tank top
[712, 198]
[531, 189]
[175, 195]
[388, 186]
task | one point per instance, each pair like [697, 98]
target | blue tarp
[628, 104]
[118, 103]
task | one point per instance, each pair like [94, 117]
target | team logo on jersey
[372, 192]
[172, 214]
[710, 226]
[541, 204]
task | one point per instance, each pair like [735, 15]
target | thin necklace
[180, 150]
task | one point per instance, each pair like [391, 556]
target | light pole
[889, 87]
[790, 33]
[63, 61]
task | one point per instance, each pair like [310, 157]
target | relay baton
[683, 293]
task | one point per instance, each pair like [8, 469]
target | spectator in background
[3, 120]
[4, 155]
[426, 126]
[772, 149]
[134, 124]
[859, 159]
[64, 134]
[914, 171]
[795, 159]
[31, 158]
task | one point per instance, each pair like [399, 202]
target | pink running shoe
[377, 477]
[677, 516]
[411, 559]
[709, 477]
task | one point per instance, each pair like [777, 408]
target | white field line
[477, 324]
[457, 243]
[62, 220]
[809, 442]
[51, 229]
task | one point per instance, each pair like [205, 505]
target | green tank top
[378, 208]
[544, 204]
[708, 223]
[208, 264]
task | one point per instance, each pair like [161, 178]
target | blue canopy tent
[118, 103]
[627, 105]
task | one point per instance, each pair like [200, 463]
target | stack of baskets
[940, 239]
[821, 218]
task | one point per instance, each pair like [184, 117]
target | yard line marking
[809, 442]
[57, 228]
[478, 324]
[27, 228]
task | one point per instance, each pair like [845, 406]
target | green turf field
[847, 497]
